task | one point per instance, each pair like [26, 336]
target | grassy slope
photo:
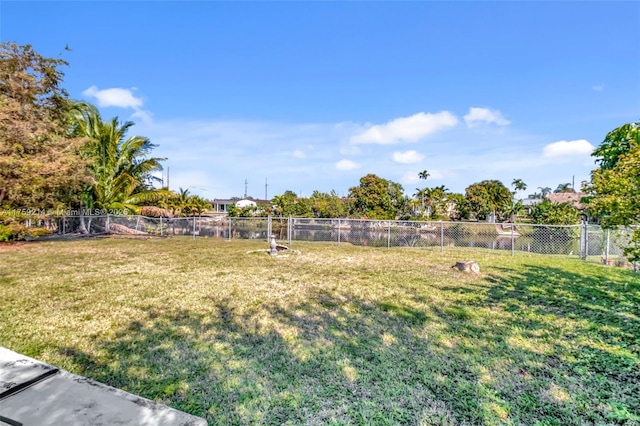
[337, 335]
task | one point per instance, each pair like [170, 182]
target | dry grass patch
[336, 335]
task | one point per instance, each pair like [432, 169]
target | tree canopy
[289, 204]
[377, 198]
[327, 205]
[119, 166]
[615, 185]
[617, 143]
[40, 165]
[488, 197]
[519, 185]
[549, 213]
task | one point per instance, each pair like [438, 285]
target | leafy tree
[288, 204]
[615, 185]
[178, 203]
[434, 201]
[519, 185]
[516, 208]
[120, 168]
[617, 143]
[461, 207]
[488, 197]
[183, 203]
[401, 203]
[549, 213]
[198, 205]
[378, 198]
[233, 211]
[40, 166]
[327, 205]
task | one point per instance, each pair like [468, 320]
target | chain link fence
[589, 242]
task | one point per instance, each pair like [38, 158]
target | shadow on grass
[586, 328]
[514, 353]
[598, 315]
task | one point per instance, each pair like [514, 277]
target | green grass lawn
[335, 335]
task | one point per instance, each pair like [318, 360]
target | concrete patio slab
[63, 398]
[17, 371]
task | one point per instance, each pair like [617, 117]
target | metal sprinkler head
[273, 246]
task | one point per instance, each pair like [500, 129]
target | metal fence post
[194, 226]
[389, 234]
[513, 240]
[583, 240]
[441, 237]
[606, 250]
[107, 230]
[161, 230]
[269, 231]
[289, 229]
[586, 240]
[339, 231]
[229, 219]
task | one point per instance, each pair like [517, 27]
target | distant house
[528, 204]
[241, 204]
[222, 206]
[573, 198]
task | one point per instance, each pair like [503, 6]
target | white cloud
[410, 129]
[407, 157]
[568, 149]
[299, 154]
[145, 116]
[121, 98]
[409, 178]
[479, 116]
[116, 97]
[347, 165]
[228, 152]
[436, 175]
[598, 88]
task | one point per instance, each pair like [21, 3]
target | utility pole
[246, 183]
[168, 179]
[266, 186]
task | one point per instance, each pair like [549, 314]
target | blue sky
[315, 95]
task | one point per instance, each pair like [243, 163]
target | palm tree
[199, 205]
[120, 169]
[514, 210]
[544, 191]
[421, 195]
[564, 187]
[519, 185]
[437, 199]
[180, 202]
